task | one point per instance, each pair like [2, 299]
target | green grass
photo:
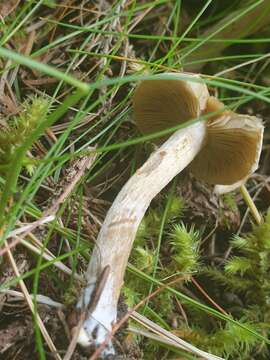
[91, 61]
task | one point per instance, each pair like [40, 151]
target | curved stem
[119, 229]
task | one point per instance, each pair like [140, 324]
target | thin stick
[22, 229]
[198, 286]
[42, 299]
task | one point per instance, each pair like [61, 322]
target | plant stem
[251, 205]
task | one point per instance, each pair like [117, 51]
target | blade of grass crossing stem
[152, 136]
[24, 60]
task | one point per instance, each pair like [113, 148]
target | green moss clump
[18, 128]
[185, 244]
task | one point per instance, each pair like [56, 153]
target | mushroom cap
[232, 150]
[233, 142]
[162, 104]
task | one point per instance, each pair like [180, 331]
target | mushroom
[224, 149]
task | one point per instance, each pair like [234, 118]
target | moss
[185, 248]
[18, 128]
[242, 284]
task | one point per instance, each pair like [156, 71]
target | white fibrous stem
[119, 229]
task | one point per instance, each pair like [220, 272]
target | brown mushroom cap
[231, 151]
[162, 104]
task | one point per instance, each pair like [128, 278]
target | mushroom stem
[119, 229]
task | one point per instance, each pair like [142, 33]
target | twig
[198, 286]
[23, 229]
[42, 299]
